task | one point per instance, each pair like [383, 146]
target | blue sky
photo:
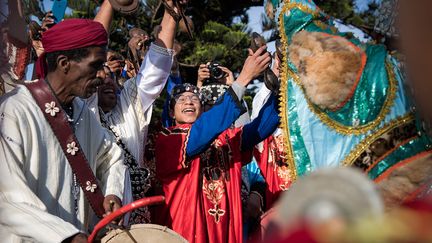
[255, 16]
[47, 4]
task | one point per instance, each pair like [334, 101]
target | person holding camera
[201, 175]
[213, 81]
[214, 72]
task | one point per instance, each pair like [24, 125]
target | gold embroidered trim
[284, 174]
[365, 143]
[285, 71]
[354, 130]
[283, 96]
[338, 127]
[214, 191]
[288, 5]
[325, 26]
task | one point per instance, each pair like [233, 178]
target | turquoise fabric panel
[371, 92]
[325, 146]
[414, 147]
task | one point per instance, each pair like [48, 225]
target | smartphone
[58, 10]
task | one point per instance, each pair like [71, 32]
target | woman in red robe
[199, 160]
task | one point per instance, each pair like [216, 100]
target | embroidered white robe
[132, 114]
[36, 181]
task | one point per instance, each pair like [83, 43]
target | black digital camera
[216, 72]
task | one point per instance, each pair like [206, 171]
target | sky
[255, 19]
[47, 4]
[255, 16]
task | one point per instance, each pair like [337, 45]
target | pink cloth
[68, 35]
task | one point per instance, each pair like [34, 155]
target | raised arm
[213, 122]
[262, 126]
[157, 64]
[228, 108]
[167, 32]
[105, 14]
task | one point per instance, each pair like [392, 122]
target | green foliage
[348, 12]
[216, 42]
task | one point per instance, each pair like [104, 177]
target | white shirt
[36, 181]
[132, 114]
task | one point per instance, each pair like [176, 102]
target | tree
[348, 13]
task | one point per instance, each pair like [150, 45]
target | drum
[140, 233]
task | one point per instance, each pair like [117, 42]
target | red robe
[271, 160]
[203, 202]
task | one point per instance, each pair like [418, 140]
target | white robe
[36, 181]
[132, 114]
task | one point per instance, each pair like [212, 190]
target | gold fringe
[338, 127]
[288, 5]
[365, 143]
[284, 96]
[287, 73]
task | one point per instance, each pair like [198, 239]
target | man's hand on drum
[112, 203]
[78, 238]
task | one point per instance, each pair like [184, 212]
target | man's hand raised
[254, 65]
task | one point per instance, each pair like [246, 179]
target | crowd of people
[77, 142]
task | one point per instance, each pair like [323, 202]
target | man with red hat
[58, 165]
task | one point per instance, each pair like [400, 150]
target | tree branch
[187, 65]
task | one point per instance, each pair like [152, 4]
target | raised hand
[175, 8]
[228, 78]
[254, 65]
[112, 203]
[271, 80]
[48, 21]
[203, 74]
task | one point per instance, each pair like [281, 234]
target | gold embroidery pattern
[215, 161]
[288, 73]
[283, 100]
[365, 143]
[354, 130]
[284, 173]
[288, 5]
[214, 191]
[278, 160]
[325, 26]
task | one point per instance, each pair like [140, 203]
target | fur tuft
[327, 67]
[404, 180]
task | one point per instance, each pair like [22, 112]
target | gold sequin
[354, 130]
[284, 96]
[365, 143]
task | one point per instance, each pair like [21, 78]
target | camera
[216, 72]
